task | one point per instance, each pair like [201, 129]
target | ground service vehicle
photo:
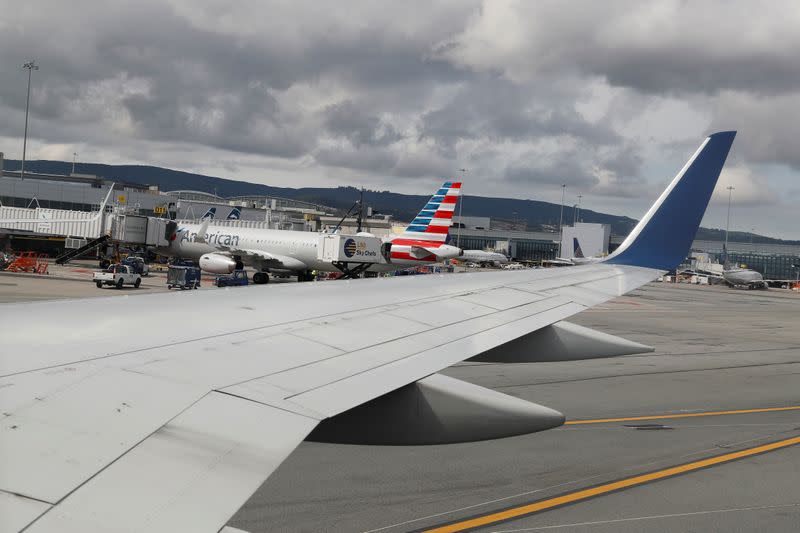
[183, 277]
[137, 264]
[236, 278]
[117, 276]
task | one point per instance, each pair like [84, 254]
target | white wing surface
[147, 413]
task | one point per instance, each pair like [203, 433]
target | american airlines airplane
[117, 418]
[218, 250]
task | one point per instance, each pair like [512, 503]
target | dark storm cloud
[348, 120]
[555, 170]
[500, 109]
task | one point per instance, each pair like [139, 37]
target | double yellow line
[584, 494]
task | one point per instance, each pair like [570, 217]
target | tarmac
[74, 280]
[701, 435]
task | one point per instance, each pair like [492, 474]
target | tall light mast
[728, 225]
[30, 66]
[561, 220]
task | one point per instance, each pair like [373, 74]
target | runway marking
[652, 517]
[682, 415]
[585, 494]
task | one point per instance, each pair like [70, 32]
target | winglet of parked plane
[663, 237]
[201, 233]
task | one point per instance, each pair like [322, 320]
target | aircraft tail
[432, 223]
[576, 248]
[235, 214]
[211, 213]
[664, 236]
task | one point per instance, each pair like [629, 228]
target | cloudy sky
[610, 98]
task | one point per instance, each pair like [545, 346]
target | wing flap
[343, 394]
[190, 475]
[305, 378]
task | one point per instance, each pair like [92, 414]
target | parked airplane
[733, 276]
[744, 277]
[118, 417]
[576, 259]
[483, 257]
[577, 255]
[221, 249]
[211, 213]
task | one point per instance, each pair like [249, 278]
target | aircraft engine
[217, 263]
[447, 251]
[436, 410]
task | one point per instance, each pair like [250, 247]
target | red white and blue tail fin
[434, 220]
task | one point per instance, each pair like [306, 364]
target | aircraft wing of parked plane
[121, 416]
[269, 259]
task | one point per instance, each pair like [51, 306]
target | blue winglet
[663, 237]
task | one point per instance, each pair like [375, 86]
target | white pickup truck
[117, 276]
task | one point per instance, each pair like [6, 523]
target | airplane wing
[268, 259]
[146, 414]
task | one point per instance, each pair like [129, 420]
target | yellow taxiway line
[681, 415]
[579, 495]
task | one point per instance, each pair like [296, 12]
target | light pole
[460, 208]
[561, 220]
[74, 157]
[578, 216]
[30, 66]
[728, 224]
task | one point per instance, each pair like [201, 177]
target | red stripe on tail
[437, 229]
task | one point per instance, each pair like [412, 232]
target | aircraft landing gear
[305, 276]
[259, 278]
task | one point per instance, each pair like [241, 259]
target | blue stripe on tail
[663, 240]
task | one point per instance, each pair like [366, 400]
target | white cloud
[749, 189]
